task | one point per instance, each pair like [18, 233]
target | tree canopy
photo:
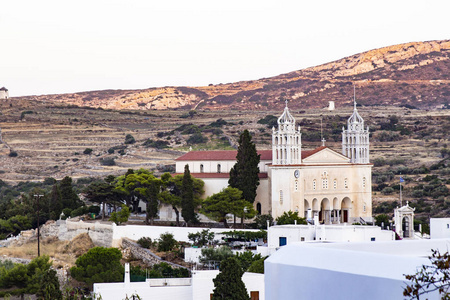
[244, 174]
[228, 283]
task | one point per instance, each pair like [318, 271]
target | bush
[79, 211]
[158, 144]
[87, 151]
[166, 242]
[261, 221]
[129, 139]
[289, 218]
[107, 161]
[12, 154]
[94, 209]
[201, 238]
[120, 216]
[145, 242]
[197, 138]
[110, 150]
[387, 190]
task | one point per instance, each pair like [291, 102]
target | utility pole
[37, 196]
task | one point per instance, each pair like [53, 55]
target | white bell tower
[355, 140]
[286, 141]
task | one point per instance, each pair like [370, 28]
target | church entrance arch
[315, 207]
[307, 207]
[336, 212]
[325, 211]
[346, 205]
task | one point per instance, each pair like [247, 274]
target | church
[321, 183]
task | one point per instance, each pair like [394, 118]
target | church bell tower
[355, 140]
[286, 141]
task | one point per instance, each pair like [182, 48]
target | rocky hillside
[412, 75]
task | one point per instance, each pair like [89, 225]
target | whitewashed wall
[439, 228]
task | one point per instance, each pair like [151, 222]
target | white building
[199, 287]
[333, 186]
[4, 93]
[346, 270]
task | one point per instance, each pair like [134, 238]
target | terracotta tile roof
[217, 175]
[307, 153]
[220, 155]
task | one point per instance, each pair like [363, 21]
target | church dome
[286, 118]
[355, 118]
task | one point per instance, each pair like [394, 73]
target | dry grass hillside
[413, 74]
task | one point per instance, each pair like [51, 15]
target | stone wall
[145, 254]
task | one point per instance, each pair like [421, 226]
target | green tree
[55, 203]
[382, 218]
[228, 283]
[244, 174]
[166, 242]
[99, 264]
[129, 139]
[69, 198]
[257, 266]
[228, 201]
[215, 255]
[120, 216]
[201, 238]
[172, 191]
[103, 192]
[289, 218]
[187, 198]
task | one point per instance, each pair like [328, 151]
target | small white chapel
[320, 183]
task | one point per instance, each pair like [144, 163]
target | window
[218, 168]
[258, 208]
[281, 196]
[364, 207]
[314, 184]
[364, 182]
[201, 168]
[325, 184]
[302, 239]
[283, 241]
[346, 183]
[335, 184]
[296, 185]
[254, 295]
[372, 239]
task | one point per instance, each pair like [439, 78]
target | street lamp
[38, 231]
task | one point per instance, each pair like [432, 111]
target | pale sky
[62, 46]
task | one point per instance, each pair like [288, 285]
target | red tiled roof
[307, 153]
[220, 155]
[217, 175]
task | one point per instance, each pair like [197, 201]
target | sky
[54, 46]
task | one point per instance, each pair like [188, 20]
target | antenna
[321, 128]
[354, 95]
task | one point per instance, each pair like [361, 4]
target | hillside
[413, 74]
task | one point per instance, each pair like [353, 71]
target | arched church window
[296, 185]
[325, 183]
[201, 168]
[218, 168]
[364, 182]
[281, 196]
[346, 183]
[314, 184]
[364, 207]
[335, 184]
[258, 208]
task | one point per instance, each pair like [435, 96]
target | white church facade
[335, 187]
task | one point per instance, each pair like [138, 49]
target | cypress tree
[244, 174]
[228, 283]
[187, 197]
[69, 198]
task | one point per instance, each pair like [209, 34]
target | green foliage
[87, 151]
[145, 242]
[246, 235]
[290, 217]
[244, 174]
[164, 270]
[12, 153]
[129, 139]
[229, 200]
[215, 255]
[385, 207]
[257, 266]
[99, 264]
[82, 210]
[228, 283]
[197, 138]
[430, 278]
[261, 221]
[187, 198]
[270, 120]
[246, 259]
[120, 216]
[69, 197]
[201, 238]
[383, 218]
[166, 242]
[158, 144]
[107, 161]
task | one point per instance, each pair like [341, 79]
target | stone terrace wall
[146, 255]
